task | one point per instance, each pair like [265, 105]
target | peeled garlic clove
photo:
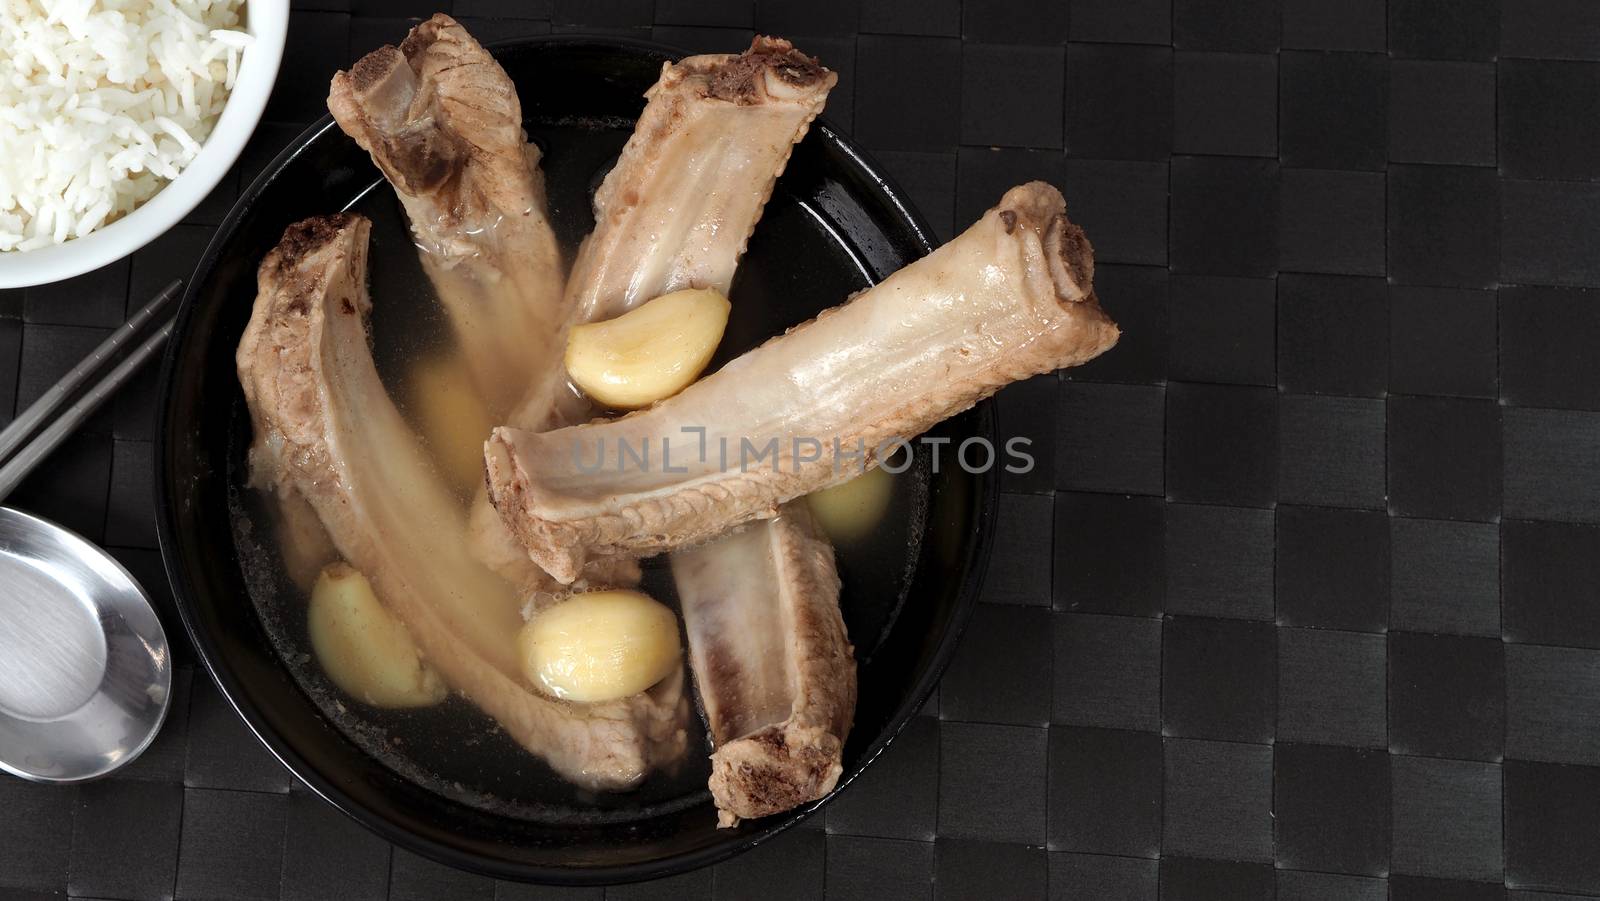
[452, 418]
[363, 648]
[850, 510]
[650, 352]
[599, 646]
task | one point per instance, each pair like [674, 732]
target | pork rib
[775, 671]
[442, 121]
[676, 211]
[1009, 298]
[766, 640]
[326, 429]
[679, 206]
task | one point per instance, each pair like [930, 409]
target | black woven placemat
[1303, 599]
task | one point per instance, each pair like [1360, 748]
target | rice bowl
[142, 166]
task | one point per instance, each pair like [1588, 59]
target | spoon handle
[21, 458]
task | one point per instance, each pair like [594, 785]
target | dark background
[1302, 599]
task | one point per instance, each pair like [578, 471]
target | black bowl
[831, 200]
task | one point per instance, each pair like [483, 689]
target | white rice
[102, 102]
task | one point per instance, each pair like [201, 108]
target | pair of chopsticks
[40, 428]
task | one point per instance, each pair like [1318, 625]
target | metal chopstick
[17, 468]
[21, 428]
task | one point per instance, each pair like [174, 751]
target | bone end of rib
[495, 547]
[507, 487]
[394, 102]
[373, 104]
[305, 241]
[778, 768]
[383, 83]
[1068, 253]
[1068, 260]
[426, 34]
[772, 70]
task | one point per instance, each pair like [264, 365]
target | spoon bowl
[85, 672]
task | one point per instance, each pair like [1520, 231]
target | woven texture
[1301, 600]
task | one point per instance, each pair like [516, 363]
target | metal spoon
[85, 672]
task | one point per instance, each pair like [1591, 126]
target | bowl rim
[267, 21]
[231, 684]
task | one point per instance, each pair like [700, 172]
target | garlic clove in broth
[363, 648]
[600, 646]
[650, 352]
[851, 510]
[452, 418]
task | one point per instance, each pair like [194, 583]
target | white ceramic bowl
[268, 22]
